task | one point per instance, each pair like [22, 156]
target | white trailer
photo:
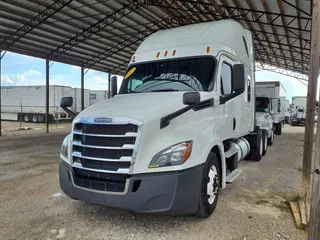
[97, 96]
[28, 103]
[287, 112]
[76, 95]
[173, 136]
[298, 110]
[277, 93]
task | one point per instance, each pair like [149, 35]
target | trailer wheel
[26, 117]
[35, 118]
[270, 139]
[210, 187]
[265, 143]
[279, 128]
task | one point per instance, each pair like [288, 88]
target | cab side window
[226, 79]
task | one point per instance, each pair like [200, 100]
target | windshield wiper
[165, 90]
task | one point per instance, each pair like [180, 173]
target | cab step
[232, 151]
[233, 175]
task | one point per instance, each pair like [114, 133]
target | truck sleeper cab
[173, 136]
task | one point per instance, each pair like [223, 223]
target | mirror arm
[224, 99]
[71, 113]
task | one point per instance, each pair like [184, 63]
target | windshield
[262, 104]
[193, 74]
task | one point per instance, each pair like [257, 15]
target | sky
[24, 70]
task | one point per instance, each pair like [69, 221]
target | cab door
[231, 107]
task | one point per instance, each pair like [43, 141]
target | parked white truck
[277, 93]
[173, 136]
[27, 103]
[264, 120]
[298, 110]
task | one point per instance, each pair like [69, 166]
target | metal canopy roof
[103, 34]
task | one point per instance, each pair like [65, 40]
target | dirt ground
[16, 128]
[253, 207]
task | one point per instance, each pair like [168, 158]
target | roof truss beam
[95, 28]
[33, 23]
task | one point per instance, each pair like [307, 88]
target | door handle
[234, 123]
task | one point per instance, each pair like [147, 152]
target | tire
[265, 143]
[26, 118]
[270, 139]
[279, 128]
[211, 174]
[35, 118]
[257, 148]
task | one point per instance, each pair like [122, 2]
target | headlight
[65, 147]
[174, 155]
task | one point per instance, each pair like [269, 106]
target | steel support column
[109, 84]
[82, 88]
[312, 171]
[47, 95]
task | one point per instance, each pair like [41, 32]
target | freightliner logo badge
[103, 119]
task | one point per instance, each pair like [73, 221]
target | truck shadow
[101, 214]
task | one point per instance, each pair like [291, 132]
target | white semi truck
[277, 93]
[298, 110]
[174, 134]
[27, 103]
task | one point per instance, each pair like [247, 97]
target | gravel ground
[253, 207]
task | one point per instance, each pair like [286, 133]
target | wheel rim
[261, 146]
[34, 118]
[213, 184]
[26, 118]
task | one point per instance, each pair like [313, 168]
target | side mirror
[191, 98]
[279, 105]
[238, 78]
[114, 86]
[66, 102]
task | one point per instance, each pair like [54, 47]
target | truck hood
[143, 107]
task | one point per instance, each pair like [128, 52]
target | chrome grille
[104, 148]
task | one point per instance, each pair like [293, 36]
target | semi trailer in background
[97, 96]
[277, 93]
[28, 103]
[76, 95]
[298, 110]
[172, 137]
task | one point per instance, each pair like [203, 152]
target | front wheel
[265, 143]
[279, 128]
[257, 146]
[210, 187]
[270, 139]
